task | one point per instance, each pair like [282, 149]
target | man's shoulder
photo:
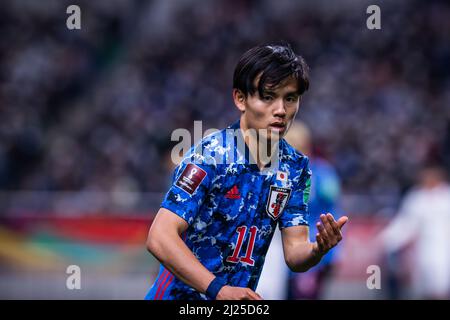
[212, 140]
[210, 149]
[292, 156]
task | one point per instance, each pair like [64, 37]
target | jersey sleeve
[296, 213]
[190, 186]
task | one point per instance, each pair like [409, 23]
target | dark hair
[275, 62]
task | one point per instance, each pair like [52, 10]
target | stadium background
[86, 117]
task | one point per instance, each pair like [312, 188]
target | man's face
[274, 111]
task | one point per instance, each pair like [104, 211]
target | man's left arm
[299, 253]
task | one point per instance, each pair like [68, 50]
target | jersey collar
[243, 149]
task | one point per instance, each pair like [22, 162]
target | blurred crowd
[93, 109]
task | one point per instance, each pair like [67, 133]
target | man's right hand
[237, 293]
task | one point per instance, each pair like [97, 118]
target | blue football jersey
[232, 209]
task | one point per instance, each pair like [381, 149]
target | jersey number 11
[251, 243]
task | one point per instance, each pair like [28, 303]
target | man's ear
[239, 99]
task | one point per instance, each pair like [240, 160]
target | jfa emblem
[278, 198]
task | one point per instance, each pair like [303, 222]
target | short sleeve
[190, 186]
[296, 213]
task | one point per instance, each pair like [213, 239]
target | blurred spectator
[89, 109]
[92, 110]
[424, 220]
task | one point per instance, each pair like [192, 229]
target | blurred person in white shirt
[424, 221]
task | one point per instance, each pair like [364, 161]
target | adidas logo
[233, 193]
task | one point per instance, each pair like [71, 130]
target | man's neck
[261, 149]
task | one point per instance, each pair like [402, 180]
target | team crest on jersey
[278, 198]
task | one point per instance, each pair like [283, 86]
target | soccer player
[216, 221]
